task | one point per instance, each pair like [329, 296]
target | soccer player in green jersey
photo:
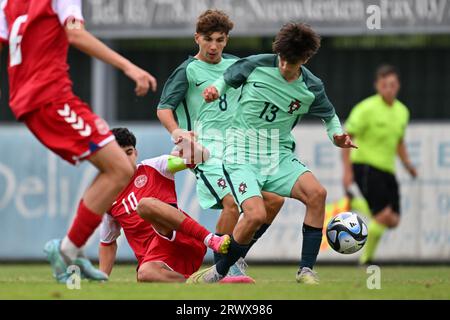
[182, 97]
[277, 91]
[378, 125]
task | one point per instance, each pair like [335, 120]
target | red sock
[192, 228]
[84, 225]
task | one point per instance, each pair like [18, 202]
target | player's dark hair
[296, 42]
[124, 137]
[386, 70]
[212, 21]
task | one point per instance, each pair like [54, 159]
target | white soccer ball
[347, 233]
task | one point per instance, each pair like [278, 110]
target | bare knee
[256, 219]
[273, 204]
[393, 221]
[317, 197]
[121, 174]
[228, 217]
[146, 208]
[388, 218]
[229, 206]
[148, 274]
[126, 173]
[255, 214]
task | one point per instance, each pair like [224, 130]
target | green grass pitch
[273, 282]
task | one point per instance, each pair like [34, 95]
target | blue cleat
[237, 274]
[238, 269]
[56, 259]
[88, 271]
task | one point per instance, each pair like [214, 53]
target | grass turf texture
[273, 282]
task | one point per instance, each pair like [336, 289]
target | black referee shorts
[379, 188]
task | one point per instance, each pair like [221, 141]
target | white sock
[207, 238]
[69, 248]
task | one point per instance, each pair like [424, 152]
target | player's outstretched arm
[109, 232]
[107, 256]
[181, 138]
[235, 76]
[80, 38]
[335, 132]
[167, 119]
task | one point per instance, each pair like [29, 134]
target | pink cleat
[219, 244]
[237, 279]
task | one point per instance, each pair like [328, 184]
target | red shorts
[181, 253]
[69, 128]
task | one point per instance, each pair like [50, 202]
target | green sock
[375, 231]
[361, 206]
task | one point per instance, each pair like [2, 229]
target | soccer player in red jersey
[39, 33]
[168, 244]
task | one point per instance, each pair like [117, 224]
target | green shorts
[247, 180]
[212, 186]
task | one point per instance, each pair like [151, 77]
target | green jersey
[183, 93]
[378, 129]
[272, 106]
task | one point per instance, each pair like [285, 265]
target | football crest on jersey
[222, 183]
[140, 181]
[243, 188]
[294, 106]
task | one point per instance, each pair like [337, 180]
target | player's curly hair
[124, 137]
[212, 21]
[296, 42]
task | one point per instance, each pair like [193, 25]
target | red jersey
[151, 179]
[38, 46]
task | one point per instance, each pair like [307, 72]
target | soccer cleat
[88, 271]
[236, 274]
[56, 259]
[219, 244]
[237, 279]
[208, 275]
[239, 268]
[307, 276]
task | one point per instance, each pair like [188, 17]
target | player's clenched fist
[180, 134]
[192, 151]
[210, 94]
[144, 80]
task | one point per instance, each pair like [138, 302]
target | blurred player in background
[378, 125]
[39, 33]
[277, 92]
[182, 97]
[168, 244]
